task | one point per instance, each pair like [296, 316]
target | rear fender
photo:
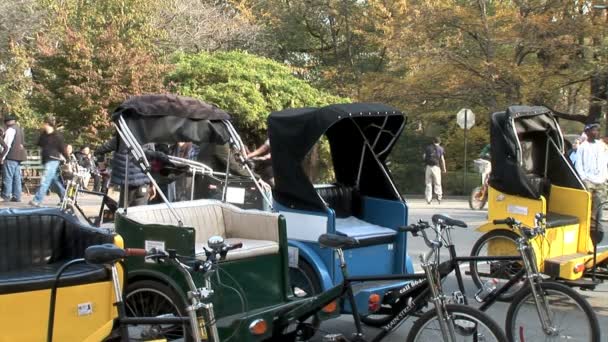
[315, 262]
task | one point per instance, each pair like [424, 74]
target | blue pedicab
[363, 203]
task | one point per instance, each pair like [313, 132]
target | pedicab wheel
[148, 298]
[572, 318]
[477, 200]
[499, 242]
[304, 278]
[469, 324]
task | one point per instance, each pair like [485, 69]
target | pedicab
[363, 203]
[252, 287]
[530, 176]
[36, 244]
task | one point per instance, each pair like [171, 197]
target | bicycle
[445, 322]
[200, 318]
[549, 299]
[517, 280]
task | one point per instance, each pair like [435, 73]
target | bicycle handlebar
[136, 252]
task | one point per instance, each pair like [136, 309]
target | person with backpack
[434, 165]
[13, 154]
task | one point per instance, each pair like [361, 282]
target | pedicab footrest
[43, 277]
[555, 220]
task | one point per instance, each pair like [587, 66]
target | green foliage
[92, 56]
[247, 86]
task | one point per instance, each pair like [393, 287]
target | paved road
[464, 240]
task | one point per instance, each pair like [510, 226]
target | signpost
[465, 119]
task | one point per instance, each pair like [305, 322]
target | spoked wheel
[469, 325]
[478, 198]
[572, 318]
[498, 242]
[304, 280]
[148, 298]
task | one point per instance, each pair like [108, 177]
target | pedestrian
[182, 186]
[86, 161]
[573, 154]
[263, 158]
[434, 165]
[139, 190]
[53, 153]
[12, 156]
[592, 167]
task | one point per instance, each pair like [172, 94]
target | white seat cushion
[250, 249]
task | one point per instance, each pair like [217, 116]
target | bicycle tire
[473, 265]
[474, 203]
[514, 310]
[155, 288]
[460, 313]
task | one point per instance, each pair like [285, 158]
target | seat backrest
[344, 200]
[39, 237]
[206, 218]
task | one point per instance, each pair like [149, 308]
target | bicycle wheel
[572, 317]
[477, 199]
[470, 325]
[498, 242]
[148, 298]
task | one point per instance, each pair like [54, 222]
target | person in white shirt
[592, 167]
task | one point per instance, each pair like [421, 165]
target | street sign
[467, 115]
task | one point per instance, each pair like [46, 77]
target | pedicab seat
[257, 230]
[35, 243]
[345, 201]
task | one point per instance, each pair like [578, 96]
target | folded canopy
[168, 118]
[360, 135]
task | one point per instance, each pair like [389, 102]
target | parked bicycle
[201, 318]
[541, 309]
[446, 322]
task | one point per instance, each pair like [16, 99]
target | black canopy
[527, 152]
[349, 129]
[167, 118]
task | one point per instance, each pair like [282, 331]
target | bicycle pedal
[458, 297]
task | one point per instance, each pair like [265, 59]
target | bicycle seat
[448, 221]
[337, 241]
[103, 254]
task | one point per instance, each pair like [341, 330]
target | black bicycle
[445, 322]
[541, 310]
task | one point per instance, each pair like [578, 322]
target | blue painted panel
[390, 214]
[369, 260]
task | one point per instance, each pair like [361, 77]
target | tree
[250, 88]
[90, 57]
[203, 25]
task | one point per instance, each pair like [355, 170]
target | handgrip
[508, 221]
[136, 252]
[410, 228]
[234, 246]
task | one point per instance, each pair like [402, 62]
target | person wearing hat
[592, 167]
[13, 154]
[53, 152]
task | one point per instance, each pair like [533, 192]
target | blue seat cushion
[366, 233]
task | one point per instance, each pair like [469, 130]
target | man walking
[53, 152]
[592, 167]
[435, 164]
[12, 156]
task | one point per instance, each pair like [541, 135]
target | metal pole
[466, 126]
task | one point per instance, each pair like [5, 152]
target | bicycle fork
[445, 323]
[534, 278]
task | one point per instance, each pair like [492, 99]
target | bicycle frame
[427, 294]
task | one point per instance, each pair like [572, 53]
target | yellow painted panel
[25, 315]
[501, 205]
[577, 203]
